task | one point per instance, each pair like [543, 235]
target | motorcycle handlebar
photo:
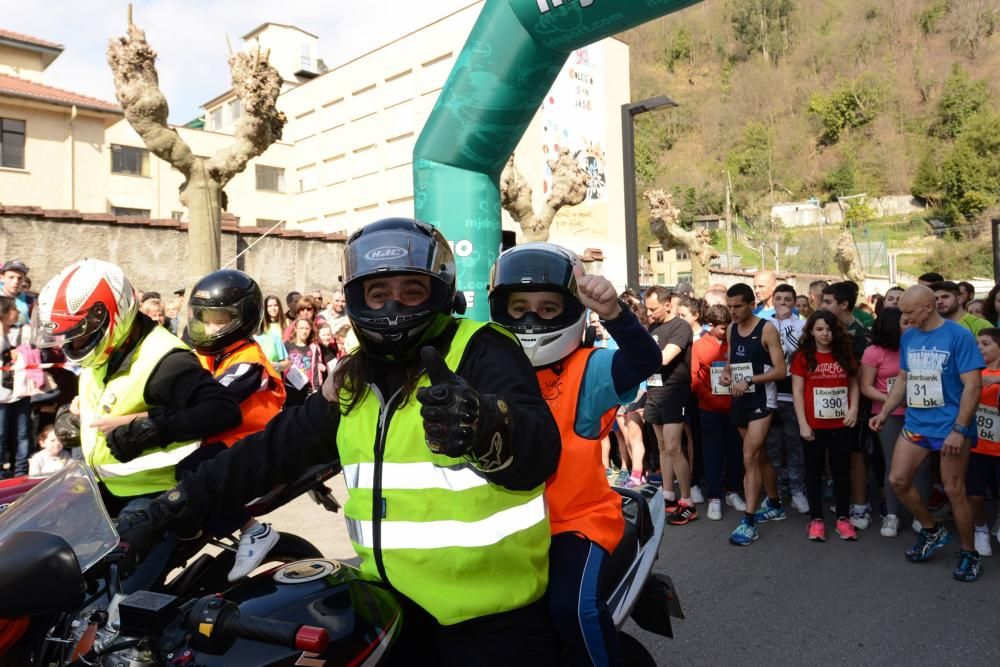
[222, 623]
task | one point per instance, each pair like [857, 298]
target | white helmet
[539, 267]
[87, 310]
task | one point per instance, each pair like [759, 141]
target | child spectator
[52, 457]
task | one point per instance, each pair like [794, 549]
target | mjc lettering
[544, 5]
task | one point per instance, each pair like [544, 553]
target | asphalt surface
[787, 601]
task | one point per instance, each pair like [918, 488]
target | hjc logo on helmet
[385, 252]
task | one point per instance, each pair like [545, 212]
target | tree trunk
[664, 222]
[202, 195]
[848, 260]
[569, 188]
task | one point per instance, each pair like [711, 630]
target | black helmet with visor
[387, 323]
[226, 307]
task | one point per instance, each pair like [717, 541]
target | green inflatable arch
[511, 59]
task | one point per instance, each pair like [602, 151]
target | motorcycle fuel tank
[362, 618]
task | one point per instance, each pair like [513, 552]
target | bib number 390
[829, 402]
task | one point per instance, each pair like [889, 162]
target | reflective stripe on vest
[124, 394]
[260, 407]
[457, 545]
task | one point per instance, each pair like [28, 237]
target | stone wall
[153, 253]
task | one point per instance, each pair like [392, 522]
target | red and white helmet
[87, 310]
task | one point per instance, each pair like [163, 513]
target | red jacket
[706, 350]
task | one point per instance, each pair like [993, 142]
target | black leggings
[837, 442]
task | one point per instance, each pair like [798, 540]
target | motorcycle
[63, 568]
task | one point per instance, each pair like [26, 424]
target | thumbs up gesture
[597, 293]
[458, 420]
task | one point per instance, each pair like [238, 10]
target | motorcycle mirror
[39, 574]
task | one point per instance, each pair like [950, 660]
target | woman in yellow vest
[145, 400]
[445, 473]
[539, 292]
[225, 310]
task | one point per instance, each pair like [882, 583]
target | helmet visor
[392, 252]
[206, 324]
[535, 270]
[72, 333]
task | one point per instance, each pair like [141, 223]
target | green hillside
[818, 98]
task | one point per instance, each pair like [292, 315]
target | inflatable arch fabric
[511, 59]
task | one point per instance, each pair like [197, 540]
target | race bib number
[717, 388]
[741, 372]
[988, 423]
[655, 380]
[924, 389]
[829, 402]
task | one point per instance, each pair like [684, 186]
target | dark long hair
[282, 322]
[886, 330]
[840, 346]
[990, 306]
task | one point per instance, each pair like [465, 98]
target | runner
[784, 446]
[984, 461]
[723, 459]
[825, 389]
[939, 378]
[667, 396]
[756, 362]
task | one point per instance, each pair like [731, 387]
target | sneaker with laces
[800, 503]
[632, 483]
[769, 512]
[622, 477]
[684, 514]
[715, 509]
[970, 566]
[845, 529]
[861, 516]
[670, 504]
[983, 546]
[255, 544]
[817, 530]
[697, 497]
[744, 533]
[928, 541]
[890, 526]
[737, 503]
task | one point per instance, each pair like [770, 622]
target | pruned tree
[256, 84]
[848, 260]
[569, 188]
[664, 222]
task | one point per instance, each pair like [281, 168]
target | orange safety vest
[578, 494]
[263, 404]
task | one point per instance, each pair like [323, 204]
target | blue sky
[190, 36]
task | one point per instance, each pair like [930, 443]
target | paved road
[787, 601]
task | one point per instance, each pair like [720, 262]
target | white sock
[255, 528]
[669, 495]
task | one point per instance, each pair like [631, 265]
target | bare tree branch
[569, 188]
[664, 222]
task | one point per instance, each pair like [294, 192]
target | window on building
[660, 278]
[270, 179]
[306, 57]
[177, 215]
[215, 119]
[659, 255]
[11, 143]
[137, 212]
[129, 160]
[235, 110]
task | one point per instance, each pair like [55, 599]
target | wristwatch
[623, 311]
[749, 380]
[958, 428]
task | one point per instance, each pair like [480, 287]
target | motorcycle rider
[226, 309]
[540, 293]
[425, 442]
[145, 401]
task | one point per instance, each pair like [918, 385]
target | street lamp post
[629, 112]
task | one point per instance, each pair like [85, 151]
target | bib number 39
[988, 423]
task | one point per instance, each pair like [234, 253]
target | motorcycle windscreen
[67, 504]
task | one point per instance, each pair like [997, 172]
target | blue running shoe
[970, 566]
[744, 533]
[928, 541]
[769, 512]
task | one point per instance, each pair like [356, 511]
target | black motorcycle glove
[461, 422]
[142, 524]
[130, 440]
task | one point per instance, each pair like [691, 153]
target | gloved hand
[459, 421]
[142, 524]
[130, 440]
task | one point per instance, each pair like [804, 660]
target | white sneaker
[983, 541]
[890, 526]
[737, 503]
[861, 517]
[800, 503]
[254, 547]
[715, 509]
[696, 495]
